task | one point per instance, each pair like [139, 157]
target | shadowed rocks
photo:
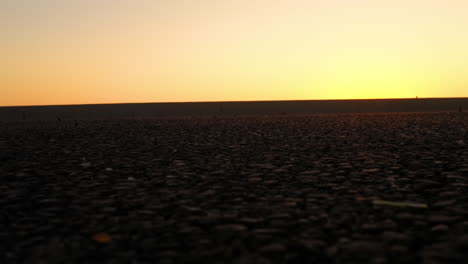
[367, 188]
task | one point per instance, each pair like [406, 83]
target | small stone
[231, 228]
[390, 236]
[102, 238]
[193, 210]
[344, 240]
[273, 249]
[440, 228]
[85, 164]
[448, 194]
[371, 170]
[389, 224]
[265, 166]
[21, 174]
[267, 231]
[310, 172]
[250, 221]
[442, 204]
[270, 182]
[186, 230]
[405, 217]
[103, 177]
[255, 179]
[370, 227]
[280, 215]
[208, 193]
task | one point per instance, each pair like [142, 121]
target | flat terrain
[152, 110]
[336, 188]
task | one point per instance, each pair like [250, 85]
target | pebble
[85, 164]
[390, 236]
[443, 204]
[250, 221]
[295, 189]
[371, 170]
[268, 231]
[255, 179]
[389, 224]
[231, 228]
[371, 228]
[440, 228]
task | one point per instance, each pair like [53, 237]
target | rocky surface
[263, 189]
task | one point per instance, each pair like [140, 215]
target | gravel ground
[367, 188]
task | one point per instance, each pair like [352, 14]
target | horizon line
[238, 101]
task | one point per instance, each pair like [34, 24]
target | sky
[119, 51]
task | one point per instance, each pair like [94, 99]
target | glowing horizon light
[118, 51]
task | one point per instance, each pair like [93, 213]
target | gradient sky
[111, 51]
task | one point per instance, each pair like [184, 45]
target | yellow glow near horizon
[116, 51]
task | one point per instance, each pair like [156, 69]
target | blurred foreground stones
[260, 189]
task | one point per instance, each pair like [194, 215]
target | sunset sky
[117, 51]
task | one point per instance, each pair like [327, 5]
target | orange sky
[115, 51]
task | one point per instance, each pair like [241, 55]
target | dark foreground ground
[278, 189]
